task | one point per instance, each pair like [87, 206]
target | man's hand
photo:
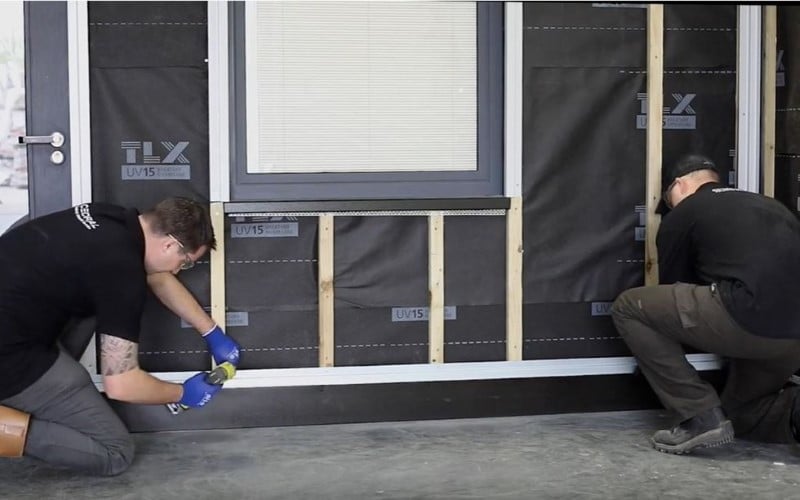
[197, 392]
[222, 347]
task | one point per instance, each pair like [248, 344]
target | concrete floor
[589, 455]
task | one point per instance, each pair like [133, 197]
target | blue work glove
[197, 392]
[222, 347]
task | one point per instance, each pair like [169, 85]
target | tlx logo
[141, 164]
[680, 116]
[684, 104]
[174, 152]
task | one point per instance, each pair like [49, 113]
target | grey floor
[589, 455]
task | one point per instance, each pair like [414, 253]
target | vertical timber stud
[436, 287]
[769, 53]
[217, 261]
[326, 342]
[514, 280]
[513, 177]
[655, 104]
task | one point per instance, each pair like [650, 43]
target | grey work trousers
[71, 424]
[654, 321]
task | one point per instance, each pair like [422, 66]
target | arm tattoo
[117, 355]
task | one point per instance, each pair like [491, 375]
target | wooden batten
[514, 280]
[325, 290]
[769, 70]
[655, 104]
[436, 287]
[217, 263]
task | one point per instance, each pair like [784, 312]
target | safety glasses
[188, 263]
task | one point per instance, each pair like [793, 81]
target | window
[348, 100]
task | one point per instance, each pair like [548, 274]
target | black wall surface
[381, 289]
[271, 290]
[584, 117]
[584, 105]
[149, 119]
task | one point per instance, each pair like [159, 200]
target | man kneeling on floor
[93, 260]
[729, 266]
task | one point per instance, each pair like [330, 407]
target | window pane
[13, 163]
[361, 87]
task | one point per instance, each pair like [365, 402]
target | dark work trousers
[655, 321]
[71, 424]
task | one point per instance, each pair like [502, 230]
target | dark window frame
[486, 181]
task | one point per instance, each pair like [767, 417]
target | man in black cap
[729, 268]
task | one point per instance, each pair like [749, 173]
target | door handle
[56, 139]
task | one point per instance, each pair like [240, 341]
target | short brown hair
[185, 219]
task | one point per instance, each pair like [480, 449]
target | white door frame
[80, 116]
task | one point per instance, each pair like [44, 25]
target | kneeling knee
[120, 457]
[622, 306]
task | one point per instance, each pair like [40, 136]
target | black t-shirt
[84, 261]
[746, 243]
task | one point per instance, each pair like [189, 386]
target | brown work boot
[707, 429]
[13, 431]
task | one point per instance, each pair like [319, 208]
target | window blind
[361, 86]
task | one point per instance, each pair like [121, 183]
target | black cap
[685, 165]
